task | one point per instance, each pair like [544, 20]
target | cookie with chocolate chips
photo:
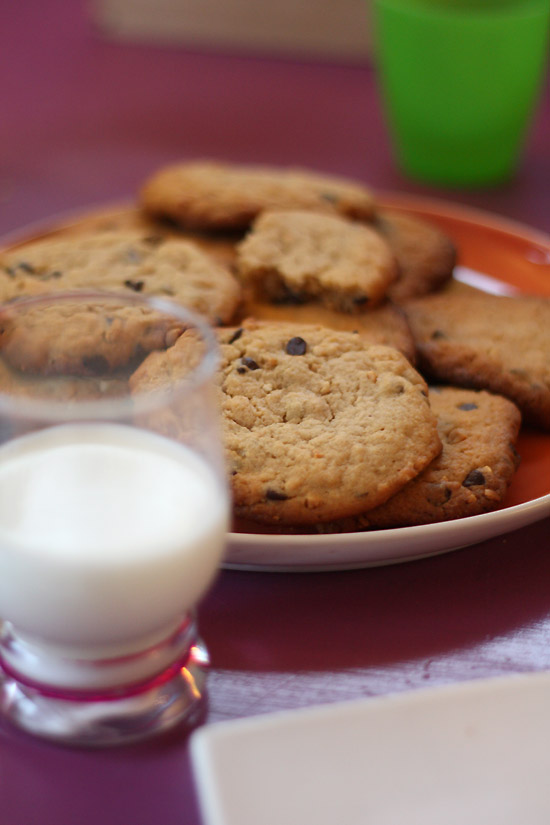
[296, 256]
[317, 424]
[209, 195]
[123, 261]
[491, 342]
[478, 431]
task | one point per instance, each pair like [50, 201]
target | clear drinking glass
[113, 515]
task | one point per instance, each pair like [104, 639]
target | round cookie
[209, 195]
[295, 256]
[317, 424]
[425, 255]
[492, 342]
[123, 261]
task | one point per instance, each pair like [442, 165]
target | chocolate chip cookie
[317, 424]
[123, 261]
[492, 342]
[296, 256]
[209, 195]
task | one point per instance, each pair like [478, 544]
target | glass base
[111, 715]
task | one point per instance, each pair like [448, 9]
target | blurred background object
[325, 28]
[460, 81]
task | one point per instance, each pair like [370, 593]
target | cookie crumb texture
[318, 424]
[297, 256]
[209, 195]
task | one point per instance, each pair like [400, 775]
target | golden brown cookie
[123, 261]
[295, 256]
[210, 195]
[317, 424]
[501, 344]
[425, 255]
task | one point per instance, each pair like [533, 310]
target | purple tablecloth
[82, 122]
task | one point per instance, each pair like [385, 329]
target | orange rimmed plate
[496, 255]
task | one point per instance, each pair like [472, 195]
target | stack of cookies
[359, 387]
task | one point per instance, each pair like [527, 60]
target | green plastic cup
[460, 80]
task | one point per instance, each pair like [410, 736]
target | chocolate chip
[236, 335]
[438, 334]
[241, 370]
[137, 286]
[95, 364]
[467, 406]
[473, 479]
[250, 363]
[360, 300]
[274, 495]
[296, 346]
[26, 267]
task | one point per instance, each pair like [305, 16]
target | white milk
[108, 534]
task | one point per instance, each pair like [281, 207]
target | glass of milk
[113, 515]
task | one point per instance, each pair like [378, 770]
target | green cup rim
[486, 10]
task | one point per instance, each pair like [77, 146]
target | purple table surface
[83, 121]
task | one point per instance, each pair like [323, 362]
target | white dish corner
[474, 752]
